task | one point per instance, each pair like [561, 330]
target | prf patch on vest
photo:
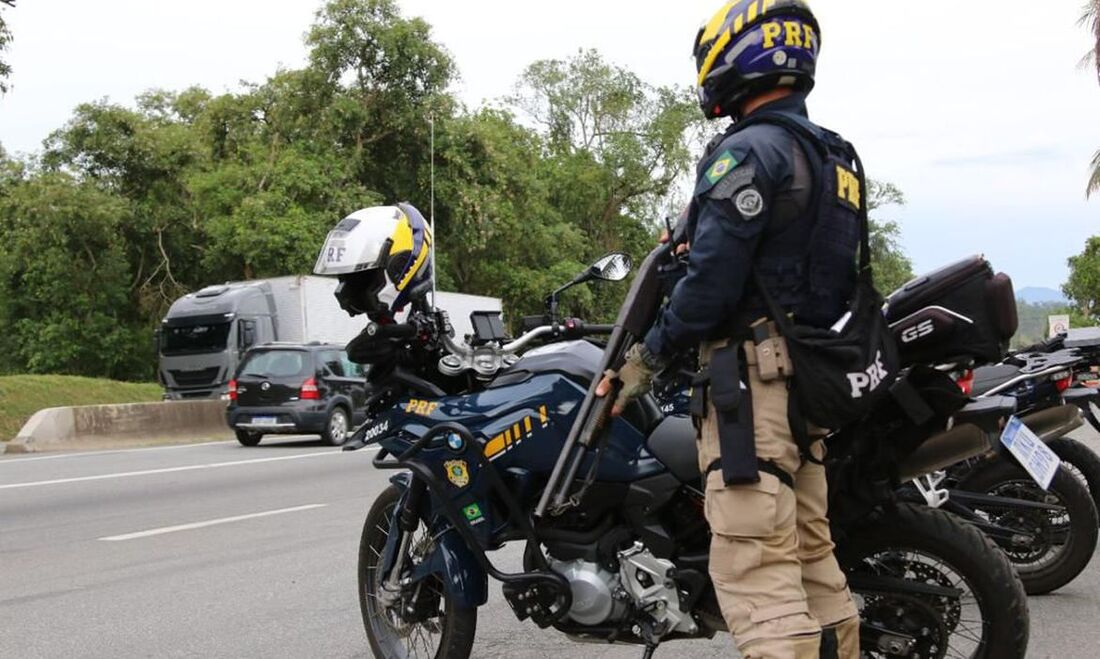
[848, 188]
[725, 164]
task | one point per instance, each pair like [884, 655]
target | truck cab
[205, 334]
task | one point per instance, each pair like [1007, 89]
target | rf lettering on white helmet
[381, 255]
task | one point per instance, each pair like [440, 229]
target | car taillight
[966, 382]
[232, 390]
[309, 390]
[1063, 381]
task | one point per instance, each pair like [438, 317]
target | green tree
[66, 282]
[614, 148]
[382, 77]
[891, 265]
[141, 155]
[5, 43]
[1083, 286]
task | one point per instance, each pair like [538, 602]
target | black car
[283, 388]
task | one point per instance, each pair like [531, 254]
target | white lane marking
[171, 470]
[211, 522]
[86, 454]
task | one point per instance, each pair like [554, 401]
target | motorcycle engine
[643, 580]
[594, 592]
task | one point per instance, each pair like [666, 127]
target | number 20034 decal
[515, 434]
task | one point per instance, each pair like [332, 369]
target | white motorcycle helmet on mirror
[382, 257]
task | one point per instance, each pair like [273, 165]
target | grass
[23, 395]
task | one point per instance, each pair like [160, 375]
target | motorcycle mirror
[613, 267]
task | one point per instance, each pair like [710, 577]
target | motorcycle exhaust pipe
[945, 449]
[1054, 422]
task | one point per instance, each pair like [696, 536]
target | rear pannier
[960, 313]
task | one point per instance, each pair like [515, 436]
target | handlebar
[392, 331]
[572, 328]
[485, 360]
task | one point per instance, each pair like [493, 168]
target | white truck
[204, 335]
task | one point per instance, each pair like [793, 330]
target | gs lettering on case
[867, 381]
[918, 331]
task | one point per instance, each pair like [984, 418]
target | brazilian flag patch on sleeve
[725, 164]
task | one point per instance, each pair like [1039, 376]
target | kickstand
[649, 649]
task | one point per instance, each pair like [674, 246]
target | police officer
[751, 226]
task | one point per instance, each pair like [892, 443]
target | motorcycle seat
[988, 377]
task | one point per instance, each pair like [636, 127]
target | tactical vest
[823, 272]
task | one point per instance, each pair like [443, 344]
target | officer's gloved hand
[366, 349]
[636, 378]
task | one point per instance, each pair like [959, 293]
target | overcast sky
[976, 110]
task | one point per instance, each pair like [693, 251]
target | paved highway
[216, 550]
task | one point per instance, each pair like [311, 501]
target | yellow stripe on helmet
[715, 51]
[425, 252]
[714, 25]
[402, 236]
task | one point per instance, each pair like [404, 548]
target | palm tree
[1091, 20]
[1094, 181]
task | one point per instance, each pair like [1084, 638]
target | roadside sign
[1058, 325]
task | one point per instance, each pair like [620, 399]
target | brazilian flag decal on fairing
[724, 165]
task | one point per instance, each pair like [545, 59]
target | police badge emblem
[457, 472]
[749, 203]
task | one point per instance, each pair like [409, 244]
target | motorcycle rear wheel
[447, 635]
[989, 618]
[1082, 460]
[1067, 539]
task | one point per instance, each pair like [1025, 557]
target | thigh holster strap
[764, 466]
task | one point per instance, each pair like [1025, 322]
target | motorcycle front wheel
[930, 586]
[1064, 537]
[439, 628]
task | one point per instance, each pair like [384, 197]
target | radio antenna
[431, 208]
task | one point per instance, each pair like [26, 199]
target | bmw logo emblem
[455, 442]
[265, 386]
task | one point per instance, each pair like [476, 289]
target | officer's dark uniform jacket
[754, 207]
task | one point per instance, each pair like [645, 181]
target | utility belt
[722, 380]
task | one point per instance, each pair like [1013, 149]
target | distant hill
[1040, 295]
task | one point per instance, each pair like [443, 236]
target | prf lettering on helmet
[794, 33]
[847, 187]
[515, 434]
[335, 254]
[420, 407]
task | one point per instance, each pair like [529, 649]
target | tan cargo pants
[771, 554]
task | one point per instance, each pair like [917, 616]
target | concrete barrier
[133, 424]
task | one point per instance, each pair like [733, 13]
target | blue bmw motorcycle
[494, 441]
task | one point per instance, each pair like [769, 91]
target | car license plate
[264, 420]
[1035, 457]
